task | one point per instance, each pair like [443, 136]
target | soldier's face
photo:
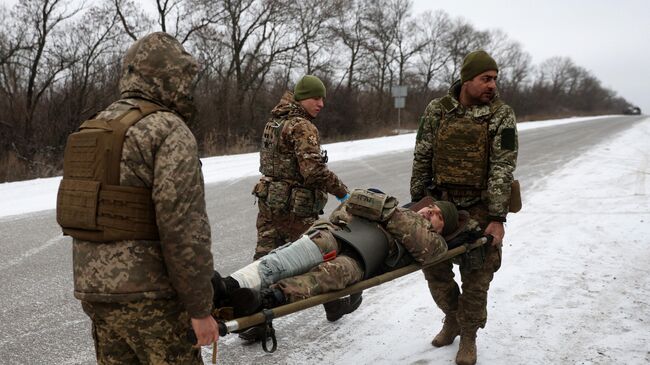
[482, 88]
[313, 105]
[434, 215]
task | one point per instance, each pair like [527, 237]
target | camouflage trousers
[469, 302]
[142, 332]
[275, 229]
[331, 275]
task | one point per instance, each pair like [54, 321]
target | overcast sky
[610, 38]
[607, 37]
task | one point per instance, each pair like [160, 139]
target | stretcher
[267, 316]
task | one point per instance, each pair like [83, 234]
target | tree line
[60, 62]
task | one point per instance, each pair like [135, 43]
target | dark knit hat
[308, 87]
[450, 216]
[476, 63]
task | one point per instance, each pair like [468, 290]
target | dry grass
[14, 167]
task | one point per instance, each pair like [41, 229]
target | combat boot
[246, 301]
[336, 309]
[222, 289]
[267, 298]
[467, 348]
[450, 329]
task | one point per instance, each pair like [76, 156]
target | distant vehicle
[632, 110]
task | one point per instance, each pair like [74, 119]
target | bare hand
[206, 330]
[497, 231]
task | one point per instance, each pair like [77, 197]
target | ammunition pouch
[280, 195]
[88, 211]
[261, 189]
[307, 202]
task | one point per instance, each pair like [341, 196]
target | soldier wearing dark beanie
[466, 153]
[476, 63]
[309, 87]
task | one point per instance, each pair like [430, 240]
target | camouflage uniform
[489, 203]
[141, 295]
[294, 159]
[404, 226]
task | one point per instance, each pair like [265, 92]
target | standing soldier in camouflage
[132, 198]
[466, 152]
[293, 191]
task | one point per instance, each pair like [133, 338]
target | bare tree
[43, 59]
[408, 37]
[514, 63]
[97, 40]
[348, 29]
[312, 18]
[462, 39]
[380, 26]
[555, 73]
[184, 18]
[432, 57]
[135, 22]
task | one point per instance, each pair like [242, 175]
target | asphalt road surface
[42, 323]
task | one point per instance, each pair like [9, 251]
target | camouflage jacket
[159, 153]
[502, 152]
[300, 138]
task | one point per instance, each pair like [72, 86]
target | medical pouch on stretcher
[91, 204]
[371, 205]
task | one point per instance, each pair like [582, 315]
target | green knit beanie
[308, 87]
[450, 215]
[476, 63]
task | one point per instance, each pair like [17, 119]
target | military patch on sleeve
[312, 140]
[508, 139]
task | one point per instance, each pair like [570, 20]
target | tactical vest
[91, 204]
[364, 233]
[462, 151]
[274, 162]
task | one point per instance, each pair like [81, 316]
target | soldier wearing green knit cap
[465, 153]
[296, 180]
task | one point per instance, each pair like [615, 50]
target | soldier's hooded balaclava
[157, 67]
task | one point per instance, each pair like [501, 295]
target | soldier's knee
[438, 273]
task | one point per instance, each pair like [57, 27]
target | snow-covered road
[574, 287]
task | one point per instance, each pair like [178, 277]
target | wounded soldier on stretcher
[365, 236]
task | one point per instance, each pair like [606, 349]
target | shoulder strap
[119, 126]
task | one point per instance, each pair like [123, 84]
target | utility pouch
[76, 204]
[307, 202]
[472, 260]
[261, 189]
[278, 195]
[515, 197]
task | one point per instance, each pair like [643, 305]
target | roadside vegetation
[59, 64]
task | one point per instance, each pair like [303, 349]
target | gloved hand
[346, 197]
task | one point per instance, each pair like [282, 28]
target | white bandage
[248, 276]
[291, 259]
